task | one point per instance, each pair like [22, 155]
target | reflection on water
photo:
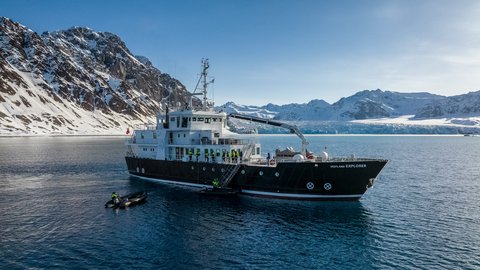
[231, 230]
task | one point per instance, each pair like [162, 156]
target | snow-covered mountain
[231, 107]
[76, 81]
[362, 105]
[378, 104]
[375, 111]
[461, 105]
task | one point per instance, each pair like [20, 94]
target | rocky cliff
[77, 81]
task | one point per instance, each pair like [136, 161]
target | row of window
[198, 119]
[145, 149]
[143, 135]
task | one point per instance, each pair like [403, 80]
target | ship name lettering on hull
[348, 166]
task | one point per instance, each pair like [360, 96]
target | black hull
[339, 180]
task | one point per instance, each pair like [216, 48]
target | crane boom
[292, 128]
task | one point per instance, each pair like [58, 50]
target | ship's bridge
[196, 120]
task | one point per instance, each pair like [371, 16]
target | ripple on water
[423, 212]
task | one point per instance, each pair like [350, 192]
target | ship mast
[205, 84]
[203, 90]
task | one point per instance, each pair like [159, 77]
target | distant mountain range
[375, 111]
[369, 104]
[80, 81]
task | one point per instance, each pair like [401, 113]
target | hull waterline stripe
[172, 182]
[253, 192]
[293, 195]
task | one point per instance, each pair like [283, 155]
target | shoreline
[262, 134]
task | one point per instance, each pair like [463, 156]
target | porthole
[213, 169]
[243, 171]
[327, 186]
[310, 185]
[316, 165]
[138, 169]
[223, 170]
[260, 173]
[193, 168]
[204, 168]
[277, 174]
[143, 170]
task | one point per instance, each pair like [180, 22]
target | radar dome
[298, 157]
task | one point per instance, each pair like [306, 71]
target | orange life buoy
[272, 161]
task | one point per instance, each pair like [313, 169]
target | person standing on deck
[198, 153]
[212, 155]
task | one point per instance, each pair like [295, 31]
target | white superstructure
[190, 135]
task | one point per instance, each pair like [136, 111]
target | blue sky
[287, 51]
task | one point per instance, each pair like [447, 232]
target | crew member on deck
[212, 155]
[198, 153]
[235, 156]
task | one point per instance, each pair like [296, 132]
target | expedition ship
[193, 147]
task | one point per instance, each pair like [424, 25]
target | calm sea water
[422, 213]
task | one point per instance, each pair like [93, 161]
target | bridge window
[207, 120]
[200, 119]
[184, 122]
[194, 119]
